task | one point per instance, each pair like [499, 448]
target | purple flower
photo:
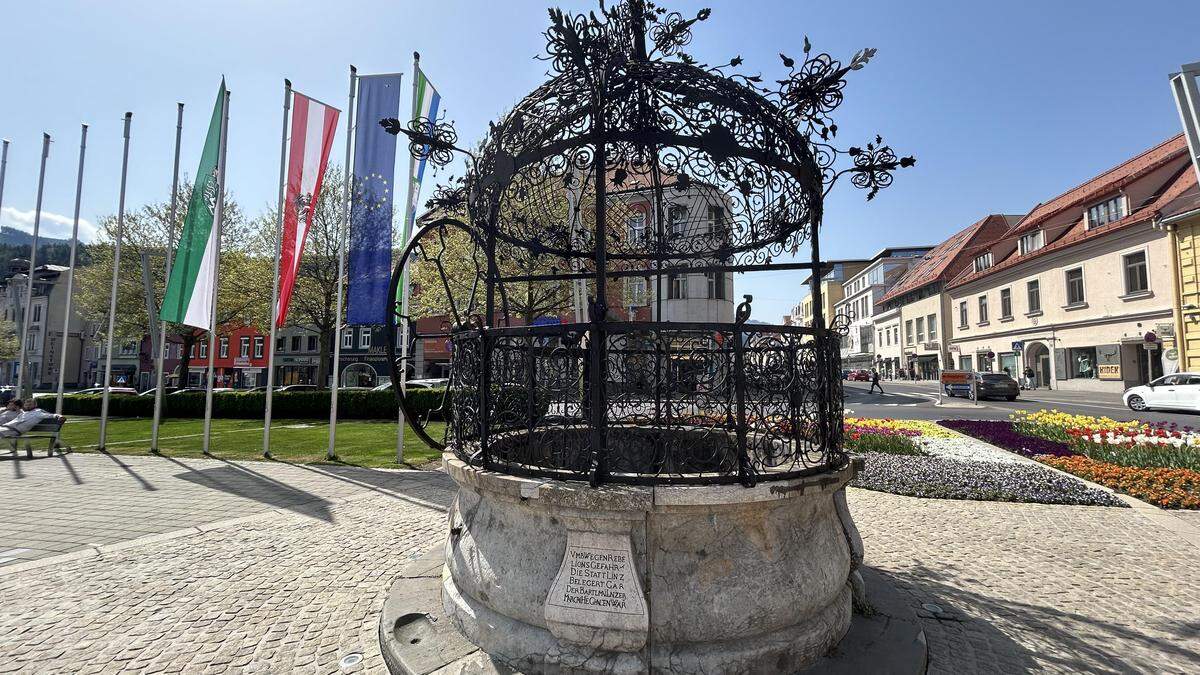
[1002, 434]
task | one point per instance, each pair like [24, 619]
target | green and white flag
[190, 292]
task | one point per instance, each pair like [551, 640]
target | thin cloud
[53, 224]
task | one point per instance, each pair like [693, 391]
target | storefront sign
[1110, 371]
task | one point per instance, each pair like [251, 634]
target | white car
[1179, 391]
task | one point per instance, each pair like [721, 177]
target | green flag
[190, 292]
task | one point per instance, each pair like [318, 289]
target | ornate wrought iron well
[631, 179]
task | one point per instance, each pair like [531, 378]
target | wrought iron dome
[634, 160]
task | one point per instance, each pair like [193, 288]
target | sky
[1003, 104]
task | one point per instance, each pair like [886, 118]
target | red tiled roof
[1107, 182]
[947, 259]
[1179, 183]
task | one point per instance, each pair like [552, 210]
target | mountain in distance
[11, 236]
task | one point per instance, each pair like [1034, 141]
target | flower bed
[1167, 488]
[1002, 433]
[896, 437]
[1133, 444]
[942, 478]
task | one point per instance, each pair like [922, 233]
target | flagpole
[37, 222]
[343, 238]
[3, 168]
[159, 378]
[410, 215]
[62, 352]
[212, 317]
[287, 101]
[112, 299]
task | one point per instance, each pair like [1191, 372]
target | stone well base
[416, 637]
[551, 576]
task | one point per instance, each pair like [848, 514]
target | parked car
[1178, 391]
[199, 390]
[987, 385]
[111, 390]
[427, 383]
[297, 387]
[860, 375]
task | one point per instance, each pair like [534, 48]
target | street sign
[1018, 345]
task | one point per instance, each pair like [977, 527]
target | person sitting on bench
[11, 410]
[31, 415]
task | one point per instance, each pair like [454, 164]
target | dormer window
[1032, 242]
[983, 262]
[1105, 212]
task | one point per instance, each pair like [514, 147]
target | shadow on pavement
[146, 485]
[382, 482]
[1064, 641]
[236, 479]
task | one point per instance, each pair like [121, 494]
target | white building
[861, 293]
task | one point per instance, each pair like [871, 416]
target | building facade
[1081, 289]
[832, 292]
[913, 323]
[45, 340]
[862, 292]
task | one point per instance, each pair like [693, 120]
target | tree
[314, 297]
[242, 276]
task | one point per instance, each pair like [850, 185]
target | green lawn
[359, 442]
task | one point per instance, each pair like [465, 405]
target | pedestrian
[875, 382]
[1029, 375]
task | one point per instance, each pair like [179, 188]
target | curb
[1158, 516]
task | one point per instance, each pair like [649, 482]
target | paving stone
[1023, 587]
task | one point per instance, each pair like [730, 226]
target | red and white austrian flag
[313, 126]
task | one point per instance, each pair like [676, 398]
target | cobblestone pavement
[295, 585]
[1039, 588]
[78, 502]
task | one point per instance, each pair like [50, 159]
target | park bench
[49, 429]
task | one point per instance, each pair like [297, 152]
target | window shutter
[1060, 363]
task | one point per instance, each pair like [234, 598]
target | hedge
[363, 404]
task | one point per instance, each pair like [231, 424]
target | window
[1005, 303]
[129, 348]
[1075, 294]
[258, 346]
[965, 363]
[677, 219]
[244, 346]
[312, 343]
[192, 352]
[962, 314]
[983, 318]
[880, 336]
[920, 329]
[1106, 211]
[908, 331]
[364, 338]
[716, 285]
[929, 321]
[635, 291]
[716, 221]
[1137, 276]
[1031, 242]
[295, 343]
[223, 347]
[37, 313]
[1033, 295]
[1081, 362]
[347, 338]
[281, 343]
[204, 350]
[676, 287]
[983, 262]
[637, 228]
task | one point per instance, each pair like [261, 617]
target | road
[918, 400]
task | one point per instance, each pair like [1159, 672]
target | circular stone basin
[554, 576]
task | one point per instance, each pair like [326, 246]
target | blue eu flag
[371, 204]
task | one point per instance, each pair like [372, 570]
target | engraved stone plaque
[596, 598]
